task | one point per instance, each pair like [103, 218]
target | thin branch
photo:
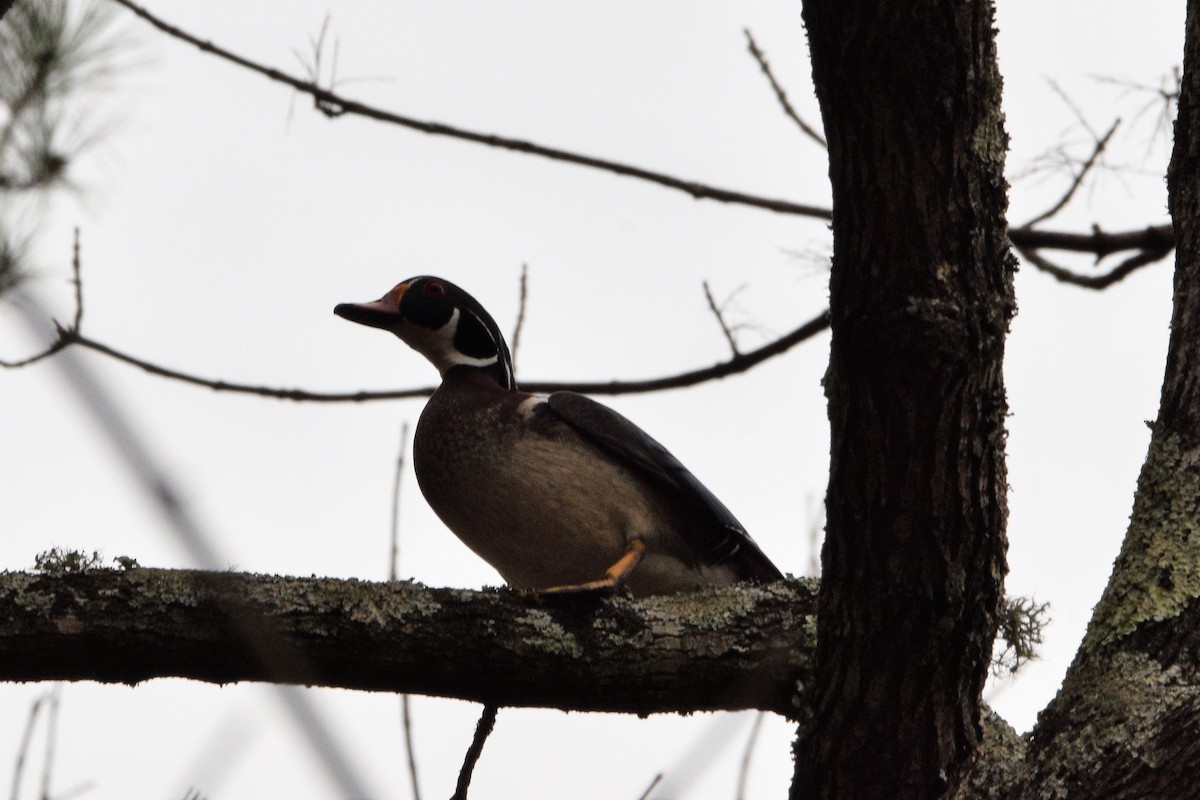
[327, 101]
[744, 769]
[1102, 281]
[737, 364]
[1023, 237]
[26, 740]
[54, 347]
[1097, 242]
[807, 129]
[732, 366]
[520, 324]
[717, 312]
[406, 723]
[1098, 150]
[394, 562]
[77, 280]
[1075, 109]
[51, 740]
[393, 576]
[63, 339]
[653, 784]
[487, 721]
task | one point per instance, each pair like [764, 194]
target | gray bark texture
[738, 648]
[921, 295]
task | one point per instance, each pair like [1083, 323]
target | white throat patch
[438, 345]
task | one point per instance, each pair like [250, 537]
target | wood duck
[557, 492]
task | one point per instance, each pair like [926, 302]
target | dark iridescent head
[441, 322]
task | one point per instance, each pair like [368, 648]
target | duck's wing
[723, 540]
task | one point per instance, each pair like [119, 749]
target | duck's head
[441, 322]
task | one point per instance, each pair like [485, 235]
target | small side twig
[747, 755]
[410, 751]
[520, 324]
[718, 312]
[66, 336]
[35, 709]
[807, 129]
[393, 576]
[77, 280]
[394, 561]
[487, 721]
[653, 785]
[1102, 281]
[51, 738]
[314, 68]
[1091, 161]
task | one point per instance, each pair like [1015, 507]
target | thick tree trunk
[1126, 723]
[920, 299]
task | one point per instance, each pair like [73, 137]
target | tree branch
[1077, 181]
[1102, 281]
[781, 95]
[743, 647]
[731, 366]
[1100, 244]
[483, 729]
[728, 649]
[334, 105]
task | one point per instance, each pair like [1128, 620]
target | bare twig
[62, 340]
[483, 730]
[1023, 237]
[744, 769]
[520, 324]
[1163, 97]
[314, 67]
[808, 130]
[329, 100]
[1077, 181]
[406, 723]
[77, 280]
[718, 313]
[54, 347]
[1075, 109]
[394, 562]
[739, 363]
[732, 366]
[35, 708]
[1097, 242]
[51, 738]
[653, 784]
[393, 576]
[1102, 281]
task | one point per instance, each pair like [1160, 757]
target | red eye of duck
[434, 289]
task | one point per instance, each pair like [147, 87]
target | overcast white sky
[223, 218]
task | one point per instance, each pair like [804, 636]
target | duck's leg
[614, 577]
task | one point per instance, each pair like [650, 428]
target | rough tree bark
[920, 299]
[729, 649]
